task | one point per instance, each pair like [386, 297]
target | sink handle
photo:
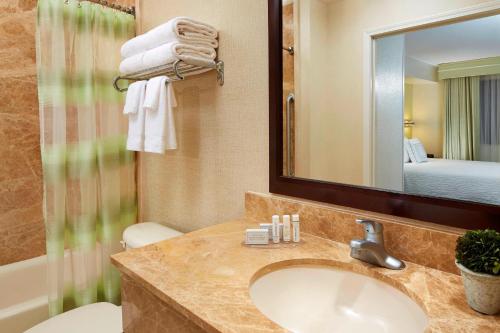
[373, 230]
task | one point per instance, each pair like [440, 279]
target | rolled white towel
[179, 29]
[166, 54]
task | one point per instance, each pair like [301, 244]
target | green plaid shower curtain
[89, 183]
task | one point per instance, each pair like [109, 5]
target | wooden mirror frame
[455, 213]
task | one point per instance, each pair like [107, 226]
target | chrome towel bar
[175, 72]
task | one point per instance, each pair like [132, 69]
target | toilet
[142, 234]
[105, 317]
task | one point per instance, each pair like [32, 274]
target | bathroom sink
[320, 299]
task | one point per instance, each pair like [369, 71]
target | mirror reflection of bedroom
[376, 102]
[452, 111]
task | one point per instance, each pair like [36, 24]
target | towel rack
[175, 72]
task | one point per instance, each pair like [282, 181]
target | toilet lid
[142, 234]
[95, 318]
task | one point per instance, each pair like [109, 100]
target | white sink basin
[320, 299]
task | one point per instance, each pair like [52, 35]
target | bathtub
[24, 299]
[23, 295]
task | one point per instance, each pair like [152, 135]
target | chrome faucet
[371, 249]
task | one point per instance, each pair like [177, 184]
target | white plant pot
[482, 290]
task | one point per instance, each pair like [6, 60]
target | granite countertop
[206, 275]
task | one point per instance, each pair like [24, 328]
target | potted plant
[478, 258]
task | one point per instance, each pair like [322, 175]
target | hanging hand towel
[171, 137]
[179, 29]
[167, 54]
[160, 122]
[136, 117]
[135, 92]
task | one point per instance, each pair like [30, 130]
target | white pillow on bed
[406, 156]
[409, 155]
[418, 153]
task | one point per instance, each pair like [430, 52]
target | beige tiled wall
[21, 223]
[222, 131]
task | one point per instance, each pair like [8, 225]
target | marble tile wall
[21, 222]
[418, 242]
[22, 232]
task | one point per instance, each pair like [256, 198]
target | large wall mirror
[390, 106]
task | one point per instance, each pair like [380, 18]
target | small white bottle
[296, 228]
[286, 228]
[276, 229]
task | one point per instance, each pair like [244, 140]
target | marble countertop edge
[187, 274]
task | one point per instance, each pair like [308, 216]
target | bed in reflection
[456, 179]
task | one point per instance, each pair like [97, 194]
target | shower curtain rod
[125, 9]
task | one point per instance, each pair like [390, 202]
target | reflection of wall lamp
[409, 123]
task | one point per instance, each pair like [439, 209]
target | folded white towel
[135, 140]
[135, 92]
[179, 29]
[167, 54]
[160, 122]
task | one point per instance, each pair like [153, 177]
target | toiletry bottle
[286, 228]
[296, 228]
[276, 229]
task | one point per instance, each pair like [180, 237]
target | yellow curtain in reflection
[462, 107]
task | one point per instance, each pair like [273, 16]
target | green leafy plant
[479, 251]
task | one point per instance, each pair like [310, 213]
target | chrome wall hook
[176, 70]
[116, 86]
[219, 67]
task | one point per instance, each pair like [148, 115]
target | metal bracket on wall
[176, 71]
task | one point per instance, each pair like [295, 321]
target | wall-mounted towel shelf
[175, 72]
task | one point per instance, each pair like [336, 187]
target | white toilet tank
[142, 234]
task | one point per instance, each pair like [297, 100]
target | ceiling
[468, 40]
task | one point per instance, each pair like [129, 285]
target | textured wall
[312, 90]
[222, 131]
[428, 114]
[21, 222]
